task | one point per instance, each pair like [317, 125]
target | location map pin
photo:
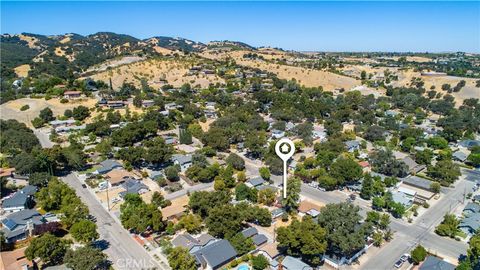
[285, 150]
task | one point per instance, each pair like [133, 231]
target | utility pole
[108, 200]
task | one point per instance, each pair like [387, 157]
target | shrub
[24, 107]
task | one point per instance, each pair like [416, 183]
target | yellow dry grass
[30, 40]
[22, 70]
[11, 109]
[175, 72]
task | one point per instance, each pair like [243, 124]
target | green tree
[449, 226]
[39, 179]
[265, 173]
[259, 262]
[158, 200]
[243, 192]
[346, 170]
[435, 187]
[223, 221]
[46, 115]
[236, 161]
[86, 258]
[266, 196]
[377, 238]
[171, 173]
[180, 259]
[48, 248]
[80, 113]
[444, 171]
[185, 136]
[242, 244]
[418, 254]
[84, 231]
[303, 238]
[345, 234]
[367, 187]
[384, 221]
[191, 223]
[293, 194]
[138, 216]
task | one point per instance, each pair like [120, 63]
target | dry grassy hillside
[304, 76]
[175, 72]
[11, 109]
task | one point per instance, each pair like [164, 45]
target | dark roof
[417, 182]
[435, 263]
[108, 165]
[15, 223]
[216, 254]
[259, 239]
[472, 207]
[469, 143]
[249, 232]
[132, 186]
[256, 181]
[182, 159]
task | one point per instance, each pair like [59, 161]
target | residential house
[471, 208]
[7, 172]
[460, 156]
[413, 167]
[289, 126]
[15, 260]
[418, 182]
[118, 177]
[435, 263]
[115, 104]
[292, 263]
[62, 123]
[170, 140]
[269, 250]
[69, 129]
[108, 165]
[191, 243]
[147, 103]
[215, 255]
[72, 94]
[469, 225]
[155, 175]
[469, 143]
[133, 186]
[258, 239]
[352, 145]
[184, 161]
[405, 199]
[276, 213]
[255, 182]
[277, 134]
[172, 106]
[19, 225]
[20, 200]
[307, 207]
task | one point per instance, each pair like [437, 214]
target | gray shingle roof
[469, 143]
[216, 254]
[435, 263]
[473, 207]
[459, 155]
[256, 181]
[259, 239]
[292, 263]
[132, 186]
[417, 182]
[108, 165]
[249, 232]
[182, 159]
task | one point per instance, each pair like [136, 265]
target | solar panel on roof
[10, 224]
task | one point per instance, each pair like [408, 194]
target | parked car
[399, 263]
[84, 186]
[405, 257]
[353, 197]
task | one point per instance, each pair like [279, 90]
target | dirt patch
[22, 70]
[174, 71]
[11, 109]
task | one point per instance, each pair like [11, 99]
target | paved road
[43, 137]
[421, 232]
[124, 252]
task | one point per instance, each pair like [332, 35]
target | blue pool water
[243, 267]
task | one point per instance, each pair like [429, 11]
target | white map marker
[285, 149]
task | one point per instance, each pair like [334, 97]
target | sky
[303, 26]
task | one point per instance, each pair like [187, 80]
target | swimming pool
[243, 267]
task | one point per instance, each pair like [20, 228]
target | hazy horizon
[419, 27]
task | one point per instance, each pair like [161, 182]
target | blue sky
[306, 26]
